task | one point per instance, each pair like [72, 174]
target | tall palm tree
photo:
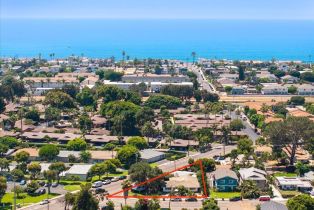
[126, 184]
[193, 56]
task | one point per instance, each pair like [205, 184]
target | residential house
[167, 78]
[150, 155]
[306, 89]
[266, 77]
[289, 79]
[256, 175]
[275, 90]
[238, 90]
[293, 183]
[78, 170]
[189, 181]
[223, 179]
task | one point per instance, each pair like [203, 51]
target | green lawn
[289, 193]
[119, 173]
[285, 174]
[214, 194]
[8, 198]
[72, 187]
[153, 165]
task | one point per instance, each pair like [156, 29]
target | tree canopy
[48, 152]
[156, 101]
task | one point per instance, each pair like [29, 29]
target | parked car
[47, 185]
[139, 189]
[264, 198]
[43, 202]
[41, 183]
[176, 199]
[122, 177]
[115, 179]
[97, 184]
[99, 190]
[191, 199]
[54, 184]
[236, 198]
[22, 182]
[106, 182]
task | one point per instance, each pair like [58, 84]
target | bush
[156, 101]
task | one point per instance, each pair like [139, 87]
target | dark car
[40, 191]
[122, 177]
[41, 183]
[176, 199]
[236, 198]
[99, 190]
[54, 185]
[191, 199]
[47, 185]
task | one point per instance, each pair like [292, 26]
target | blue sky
[168, 9]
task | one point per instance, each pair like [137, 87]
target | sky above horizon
[159, 9]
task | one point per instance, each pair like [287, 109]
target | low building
[289, 79]
[223, 179]
[275, 90]
[293, 183]
[78, 170]
[33, 153]
[306, 89]
[256, 175]
[238, 90]
[167, 78]
[150, 155]
[190, 182]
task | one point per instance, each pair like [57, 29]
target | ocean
[169, 39]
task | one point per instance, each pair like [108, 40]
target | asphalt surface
[202, 79]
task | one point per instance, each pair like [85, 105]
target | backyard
[214, 194]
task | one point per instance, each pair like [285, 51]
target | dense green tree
[183, 92]
[77, 144]
[301, 202]
[297, 100]
[48, 152]
[10, 142]
[156, 101]
[11, 87]
[85, 123]
[4, 164]
[109, 93]
[138, 88]
[295, 74]
[59, 99]
[210, 204]
[2, 105]
[31, 187]
[3, 187]
[279, 73]
[85, 156]
[112, 75]
[142, 204]
[245, 146]
[3, 149]
[307, 76]
[292, 89]
[208, 164]
[71, 90]
[98, 169]
[58, 167]
[292, 132]
[116, 108]
[86, 97]
[21, 158]
[32, 114]
[144, 115]
[236, 125]
[241, 70]
[17, 174]
[301, 168]
[139, 142]
[128, 155]
[50, 175]
[52, 114]
[148, 130]
[249, 189]
[124, 124]
[34, 169]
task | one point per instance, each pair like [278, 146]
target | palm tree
[193, 56]
[225, 136]
[69, 200]
[50, 175]
[125, 186]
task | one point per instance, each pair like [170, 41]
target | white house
[293, 183]
[306, 89]
[167, 78]
[256, 175]
[78, 170]
[150, 155]
[275, 90]
[289, 79]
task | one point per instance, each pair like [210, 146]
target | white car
[97, 184]
[43, 202]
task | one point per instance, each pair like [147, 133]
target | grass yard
[289, 193]
[214, 194]
[285, 174]
[153, 165]
[72, 187]
[27, 200]
[118, 173]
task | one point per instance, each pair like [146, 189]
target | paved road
[202, 79]
[249, 130]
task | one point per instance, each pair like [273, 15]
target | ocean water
[176, 39]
